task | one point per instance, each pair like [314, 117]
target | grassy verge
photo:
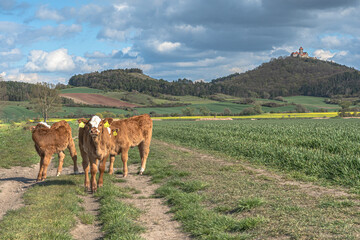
[16, 148]
[186, 198]
[318, 149]
[49, 212]
[117, 218]
[220, 199]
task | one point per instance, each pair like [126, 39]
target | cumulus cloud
[55, 61]
[327, 55]
[167, 46]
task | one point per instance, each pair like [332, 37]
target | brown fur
[131, 132]
[53, 140]
[94, 146]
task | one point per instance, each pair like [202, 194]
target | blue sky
[170, 39]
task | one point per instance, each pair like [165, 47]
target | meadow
[324, 149]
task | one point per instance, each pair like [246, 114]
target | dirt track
[96, 99]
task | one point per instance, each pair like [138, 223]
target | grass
[118, 218]
[212, 198]
[312, 103]
[80, 90]
[50, 217]
[236, 203]
[17, 147]
[327, 150]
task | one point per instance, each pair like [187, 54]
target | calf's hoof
[58, 174]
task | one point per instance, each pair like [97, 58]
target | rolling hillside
[293, 76]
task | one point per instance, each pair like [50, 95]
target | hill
[292, 76]
[284, 76]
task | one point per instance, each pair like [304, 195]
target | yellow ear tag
[81, 125]
[106, 125]
[114, 133]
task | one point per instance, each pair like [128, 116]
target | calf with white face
[95, 144]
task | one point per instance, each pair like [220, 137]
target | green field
[17, 111]
[312, 102]
[80, 90]
[323, 149]
[215, 177]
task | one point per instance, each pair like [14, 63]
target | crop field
[80, 90]
[324, 149]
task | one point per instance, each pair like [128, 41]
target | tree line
[284, 76]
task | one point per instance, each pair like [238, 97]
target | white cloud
[167, 46]
[11, 55]
[55, 61]
[48, 14]
[201, 63]
[326, 54]
[22, 77]
[190, 28]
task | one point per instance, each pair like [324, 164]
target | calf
[49, 140]
[131, 132]
[95, 142]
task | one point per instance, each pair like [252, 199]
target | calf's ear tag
[107, 125]
[81, 125]
[114, 133]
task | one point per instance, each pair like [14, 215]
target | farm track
[16, 180]
[88, 231]
[155, 217]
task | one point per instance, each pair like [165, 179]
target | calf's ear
[80, 120]
[109, 120]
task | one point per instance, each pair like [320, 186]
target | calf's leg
[61, 161]
[124, 158]
[46, 163]
[111, 167]
[86, 167]
[144, 149]
[73, 155]
[102, 170]
[41, 168]
[93, 170]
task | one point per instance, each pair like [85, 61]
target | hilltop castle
[301, 53]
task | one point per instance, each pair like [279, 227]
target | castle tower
[301, 51]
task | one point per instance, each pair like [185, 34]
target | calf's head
[98, 126]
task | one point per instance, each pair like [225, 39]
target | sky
[199, 40]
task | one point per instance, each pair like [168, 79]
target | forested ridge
[284, 76]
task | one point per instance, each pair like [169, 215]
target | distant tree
[227, 112]
[189, 111]
[3, 95]
[345, 105]
[204, 111]
[45, 99]
[300, 108]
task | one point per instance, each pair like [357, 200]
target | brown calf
[49, 140]
[131, 132]
[95, 144]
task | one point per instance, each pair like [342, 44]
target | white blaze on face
[95, 121]
[45, 124]
[109, 130]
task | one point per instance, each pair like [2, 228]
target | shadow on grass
[19, 179]
[56, 182]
